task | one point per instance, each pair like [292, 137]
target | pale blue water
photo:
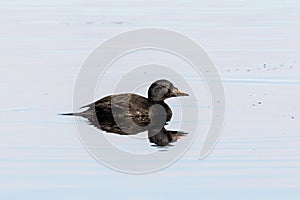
[43, 45]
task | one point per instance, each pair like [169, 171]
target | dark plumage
[128, 113]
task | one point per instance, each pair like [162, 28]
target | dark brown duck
[128, 114]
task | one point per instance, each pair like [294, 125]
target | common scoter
[128, 113]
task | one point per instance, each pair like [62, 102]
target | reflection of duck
[128, 114]
[163, 137]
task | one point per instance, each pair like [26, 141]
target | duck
[129, 113]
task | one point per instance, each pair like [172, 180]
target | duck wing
[122, 114]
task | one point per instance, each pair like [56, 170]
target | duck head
[163, 89]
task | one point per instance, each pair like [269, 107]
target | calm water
[255, 45]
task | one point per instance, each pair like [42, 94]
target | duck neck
[156, 102]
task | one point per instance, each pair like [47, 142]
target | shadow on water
[160, 137]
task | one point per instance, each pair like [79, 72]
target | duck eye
[170, 92]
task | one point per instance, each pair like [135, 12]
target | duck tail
[82, 114]
[69, 114]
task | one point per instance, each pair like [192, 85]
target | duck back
[123, 114]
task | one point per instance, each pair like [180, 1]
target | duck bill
[178, 93]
